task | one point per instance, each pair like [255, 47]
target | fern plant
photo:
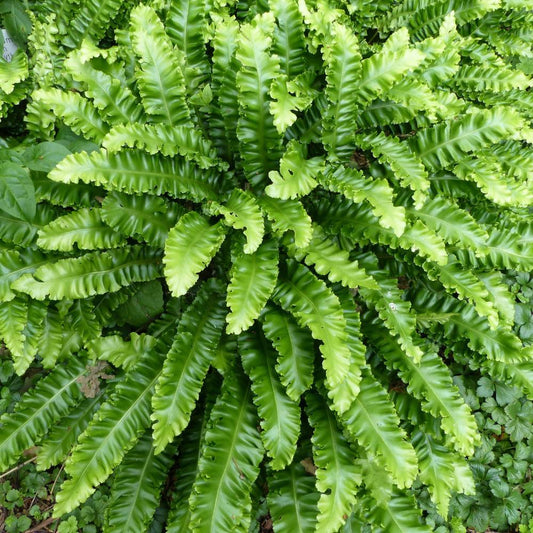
[262, 230]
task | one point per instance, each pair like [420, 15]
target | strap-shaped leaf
[146, 217]
[166, 139]
[295, 348]
[114, 430]
[75, 111]
[14, 71]
[186, 365]
[259, 139]
[53, 337]
[337, 475]
[430, 381]
[229, 464]
[83, 228]
[241, 211]
[137, 487]
[448, 142]
[38, 410]
[63, 436]
[297, 174]
[21, 232]
[159, 76]
[190, 246]
[135, 172]
[92, 273]
[280, 416]
[372, 421]
[439, 469]
[13, 265]
[343, 72]
[474, 78]
[288, 215]
[292, 499]
[405, 165]
[253, 278]
[186, 24]
[355, 186]
[315, 306]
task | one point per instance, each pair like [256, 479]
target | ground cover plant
[250, 240]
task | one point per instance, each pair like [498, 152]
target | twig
[18, 467]
[42, 525]
[55, 480]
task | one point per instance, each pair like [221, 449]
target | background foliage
[255, 247]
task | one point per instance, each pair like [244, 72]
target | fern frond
[292, 499]
[134, 172]
[13, 72]
[14, 264]
[186, 365]
[83, 228]
[315, 306]
[337, 475]
[92, 273]
[252, 280]
[280, 416]
[372, 421]
[38, 410]
[145, 217]
[114, 430]
[159, 76]
[295, 351]
[190, 246]
[474, 78]
[136, 488]
[229, 464]
[63, 436]
[288, 215]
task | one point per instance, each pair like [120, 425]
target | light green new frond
[121, 353]
[372, 421]
[343, 394]
[288, 215]
[38, 410]
[63, 436]
[315, 306]
[167, 139]
[474, 78]
[453, 224]
[75, 111]
[355, 186]
[229, 462]
[186, 25]
[280, 416]
[446, 143]
[113, 431]
[260, 143]
[83, 228]
[398, 515]
[297, 174]
[14, 71]
[403, 162]
[137, 487]
[343, 72]
[145, 217]
[295, 349]
[501, 296]
[159, 76]
[252, 280]
[337, 475]
[135, 172]
[430, 381]
[14, 264]
[190, 246]
[419, 238]
[292, 499]
[382, 70]
[110, 96]
[186, 365]
[54, 338]
[242, 211]
[438, 471]
[92, 273]
[332, 261]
